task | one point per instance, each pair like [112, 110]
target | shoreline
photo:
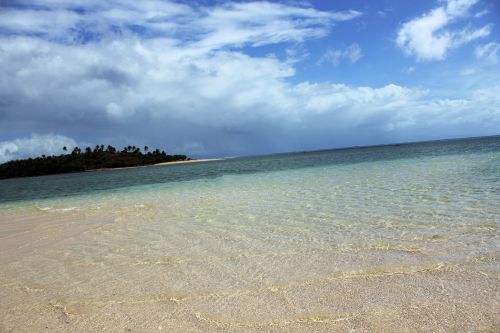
[123, 168]
[189, 161]
[152, 165]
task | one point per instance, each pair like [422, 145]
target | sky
[232, 78]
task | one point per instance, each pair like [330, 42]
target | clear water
[98, 181]
[389, 238]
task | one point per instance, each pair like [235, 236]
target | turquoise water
[389, 238]
[115, 180]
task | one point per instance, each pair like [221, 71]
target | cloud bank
[184, 79]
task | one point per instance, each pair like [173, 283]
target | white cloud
[409, 69]
[384, 13]
[34, 146]
[185, 84]
[468, 71]
[489, 51]
[230, 24]
[352, 53]
[431, 36]
[481, 13]
[261, 23]
[142, 89]
[296, 53]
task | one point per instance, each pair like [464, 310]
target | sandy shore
[191, 161]
[158, 164]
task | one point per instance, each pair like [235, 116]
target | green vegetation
[98, 158]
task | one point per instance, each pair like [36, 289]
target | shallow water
[374, 239]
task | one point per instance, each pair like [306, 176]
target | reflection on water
[403, 244]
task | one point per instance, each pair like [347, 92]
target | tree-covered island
[100, 157]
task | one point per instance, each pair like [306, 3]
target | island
[77, 160]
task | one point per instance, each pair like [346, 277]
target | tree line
[100, 157]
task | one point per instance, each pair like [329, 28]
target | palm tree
[146, 148]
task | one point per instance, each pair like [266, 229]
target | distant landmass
[100, 157]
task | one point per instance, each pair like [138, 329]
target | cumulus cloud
[352, 54]
[34, 146]
[432, 35]
[180, 78]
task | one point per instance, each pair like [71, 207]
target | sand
[191, 161]
[55, 278]
[391, 246]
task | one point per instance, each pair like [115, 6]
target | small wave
[66, 209]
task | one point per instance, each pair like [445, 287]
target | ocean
[384, 238]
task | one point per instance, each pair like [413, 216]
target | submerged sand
[407, 246]
[55, 278]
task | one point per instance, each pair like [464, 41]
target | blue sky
[226, 78]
